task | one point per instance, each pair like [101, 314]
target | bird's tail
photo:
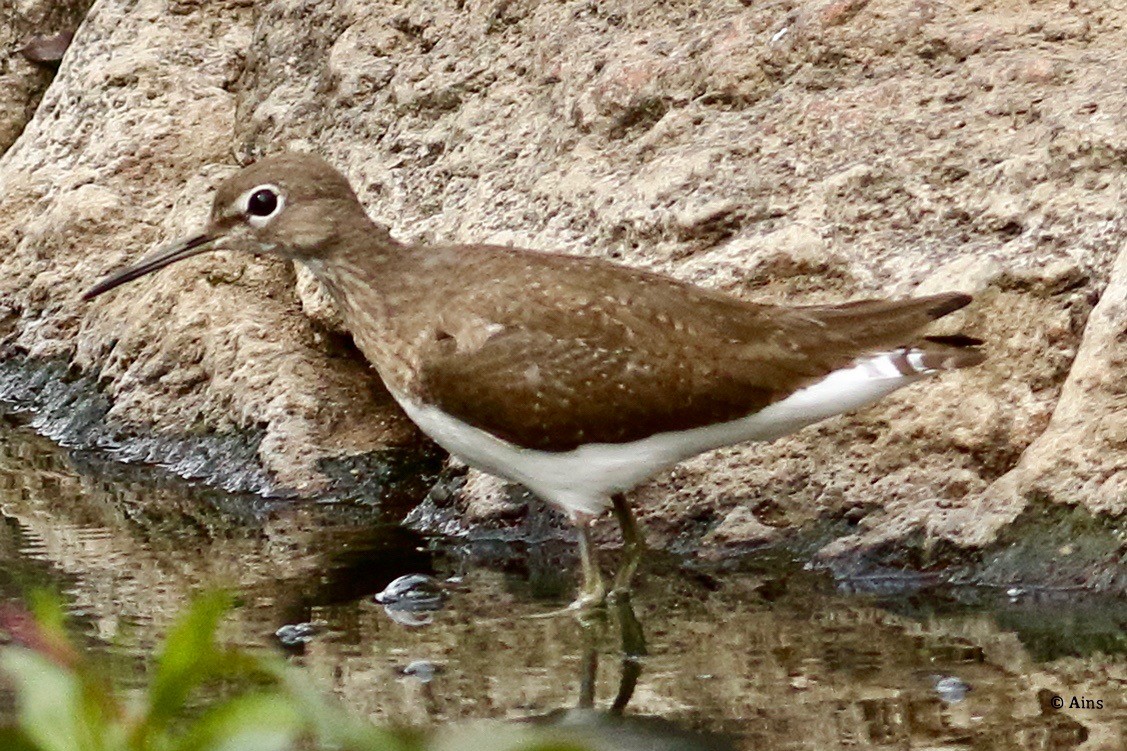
[934, 354]
[888, 323]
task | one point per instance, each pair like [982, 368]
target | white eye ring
[261, 204]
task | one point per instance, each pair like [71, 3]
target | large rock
[122, 153]
[841, 150]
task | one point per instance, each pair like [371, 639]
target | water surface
[750, 654]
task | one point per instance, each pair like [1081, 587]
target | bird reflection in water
[585, 725]
[613, 729]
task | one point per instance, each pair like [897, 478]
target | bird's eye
[262, 202]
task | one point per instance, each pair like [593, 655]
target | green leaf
[188, 658]
[50, 701]
[252, 722]
[47, 607]
[12, 739]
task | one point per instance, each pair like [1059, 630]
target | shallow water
[755, 654]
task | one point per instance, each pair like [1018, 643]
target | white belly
[583, 480]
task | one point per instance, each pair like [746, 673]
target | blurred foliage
[65, 704]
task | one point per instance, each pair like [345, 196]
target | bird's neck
[351, 263]
[363, 271]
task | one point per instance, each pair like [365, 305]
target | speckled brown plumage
[551, 352]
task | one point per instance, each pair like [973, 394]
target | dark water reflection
[775, 659]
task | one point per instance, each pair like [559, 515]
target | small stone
[951, 690]
[297, 634]
[412, 600]
[420, 591]
[47, 49]
[423, 670]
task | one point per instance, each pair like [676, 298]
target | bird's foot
[587, 605]
[623, 580]
[589, 599]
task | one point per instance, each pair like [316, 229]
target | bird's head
[293, 205]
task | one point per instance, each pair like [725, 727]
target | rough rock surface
[799, 151]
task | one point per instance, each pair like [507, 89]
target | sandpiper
[573, 376]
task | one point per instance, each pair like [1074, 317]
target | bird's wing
[552, 393]
[561, 379]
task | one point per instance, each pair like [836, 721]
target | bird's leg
[594, 592]
[633, 544]
[633, 650]
[593, 629]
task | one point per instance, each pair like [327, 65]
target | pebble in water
[411, 599]
[297, 634]
[414, 588]
[423, 670]
[951, 690]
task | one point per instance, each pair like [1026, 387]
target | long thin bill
[156, 260]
